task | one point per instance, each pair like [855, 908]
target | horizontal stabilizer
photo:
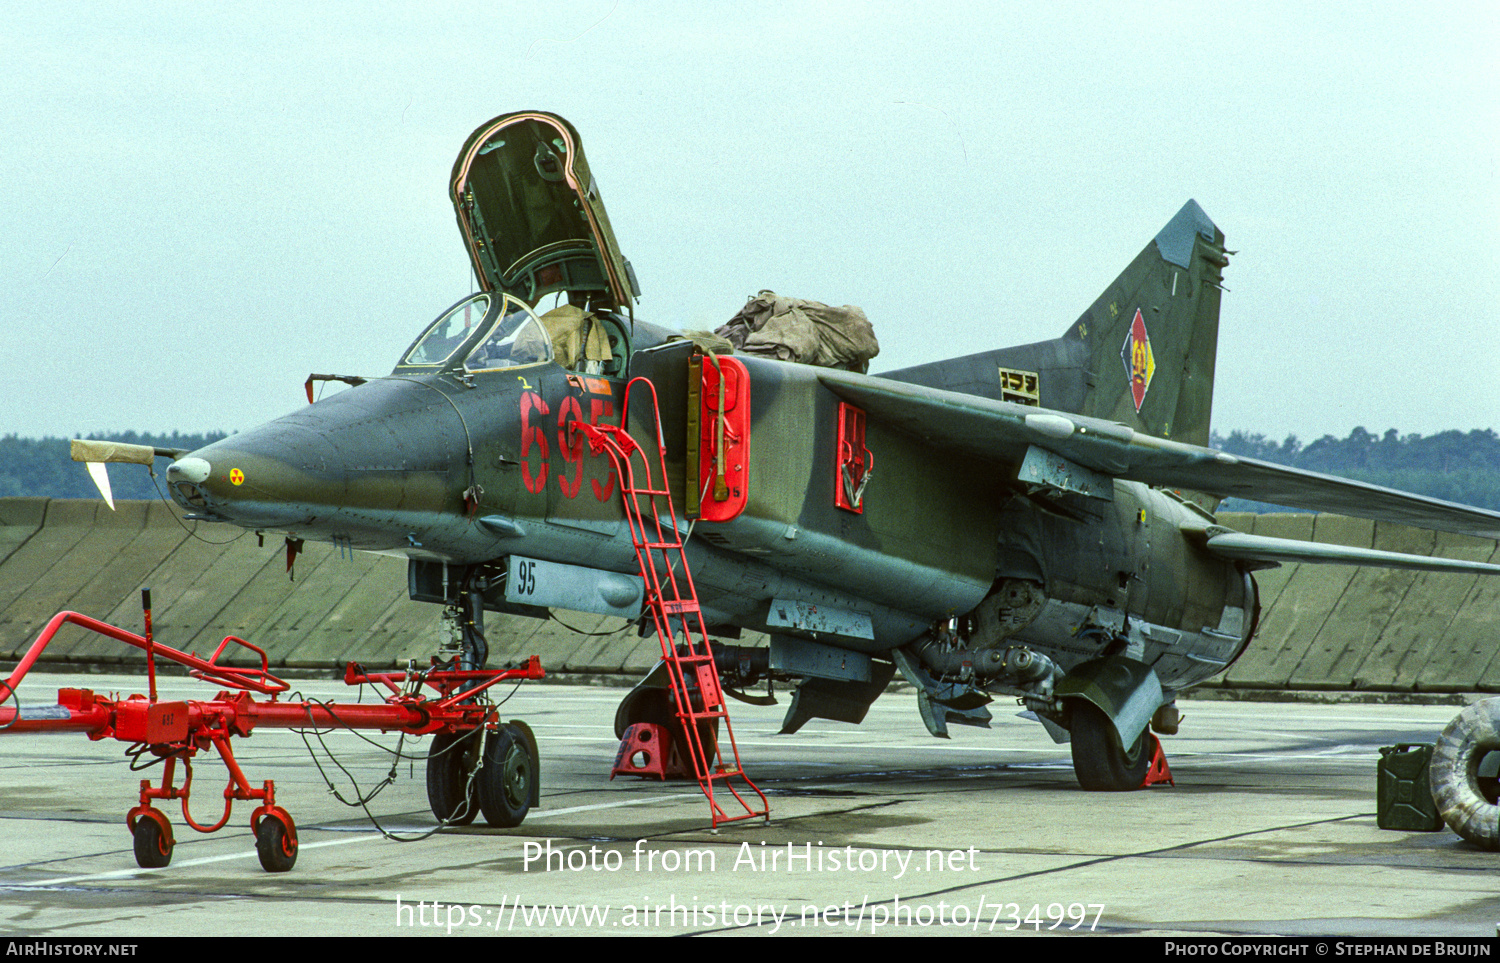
[1259, 548]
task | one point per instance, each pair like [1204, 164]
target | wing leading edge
[1259, 548]
[1002, 433]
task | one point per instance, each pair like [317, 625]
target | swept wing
[1004, 433]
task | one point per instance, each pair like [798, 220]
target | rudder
[1152, 337]
[1156, 377]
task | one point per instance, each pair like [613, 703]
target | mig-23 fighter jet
[1034, 522]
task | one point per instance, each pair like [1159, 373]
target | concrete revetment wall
[1322, 626]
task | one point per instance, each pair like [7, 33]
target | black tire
[1100, 762]
[1458, 790]
[276, 848]
[642, 704]
[506, 778]
[152, 849]
[452, 796]
[656, 706]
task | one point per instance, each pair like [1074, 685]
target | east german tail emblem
[1140, 364]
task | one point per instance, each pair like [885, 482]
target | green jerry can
[1403, 793]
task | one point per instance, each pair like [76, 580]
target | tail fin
[1142, 354]
[1151, 337]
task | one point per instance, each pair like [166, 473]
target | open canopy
[531, 216]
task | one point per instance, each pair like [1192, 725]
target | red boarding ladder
[670, 593]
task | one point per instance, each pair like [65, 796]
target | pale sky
[200, 204]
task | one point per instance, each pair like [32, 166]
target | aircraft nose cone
[192, 470]
[367, 466]
[268, 477]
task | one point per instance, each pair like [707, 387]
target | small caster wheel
[276, 847]
[153, 848]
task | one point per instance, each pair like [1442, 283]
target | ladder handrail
[680, 592]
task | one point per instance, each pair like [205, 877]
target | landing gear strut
[492, 769]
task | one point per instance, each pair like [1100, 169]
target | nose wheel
[452, 793]
[505, 779]
[495, 773]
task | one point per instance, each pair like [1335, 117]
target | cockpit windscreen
[517, 339]
[448, 333]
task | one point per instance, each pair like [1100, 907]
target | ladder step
[755, 814]
[645, 506]
[698, 714]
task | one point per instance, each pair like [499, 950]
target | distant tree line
[1452, 465]
[42, 466]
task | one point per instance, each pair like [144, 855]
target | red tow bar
[496, 773]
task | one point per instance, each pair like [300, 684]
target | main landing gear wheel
[153, 848]
[1100, 762]
[452, 795]
[506, 778]
[643, 704]
[1466, 799]
[276, 847]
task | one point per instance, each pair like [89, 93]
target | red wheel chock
[1159, 771]
[648, 750]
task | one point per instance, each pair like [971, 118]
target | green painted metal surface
[1322, 627]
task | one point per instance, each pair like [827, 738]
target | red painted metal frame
[671, 594]
[854, 462]
[179, 730]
